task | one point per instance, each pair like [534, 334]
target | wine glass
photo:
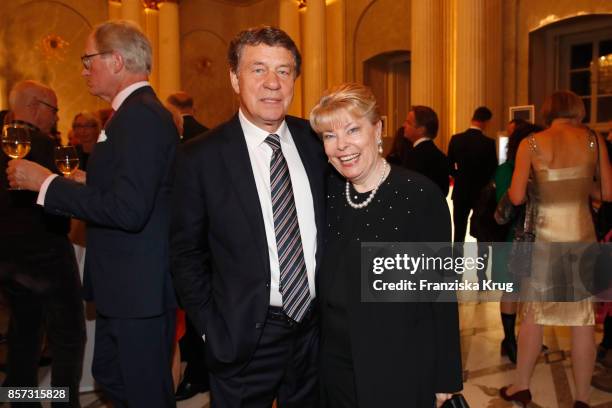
[16, 142]
[66, 159]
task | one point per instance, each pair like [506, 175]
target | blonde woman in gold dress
[564, 161]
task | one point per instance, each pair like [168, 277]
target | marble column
[169, 49]
[427, 61]
[132, 10]
[426, 51]
[336, 42]
[114, 10]
[289, 22]
[315, 53]
[494, 65]
[469, 60]
[151, 28]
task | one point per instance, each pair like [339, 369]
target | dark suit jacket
[192, 128]
[428, 160]
[476, 160]
[126, 204]
[32, 240]
[218, 244]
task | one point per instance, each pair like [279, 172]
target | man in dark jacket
[183, 102]
[125, 201]
[38, 271]
[421, 128]
[472, 160]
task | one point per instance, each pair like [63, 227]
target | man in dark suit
[421, 128]
[472, 160]
[126, 204]
[38, 271]
[183, 102]
[195, 376]
[247, 233]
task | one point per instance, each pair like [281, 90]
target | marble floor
[485, 370]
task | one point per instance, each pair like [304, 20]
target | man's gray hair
[128, 40]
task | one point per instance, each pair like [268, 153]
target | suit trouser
[45, 300]
[132, 360]
[461, 212]
[193, 352]
[283, 366]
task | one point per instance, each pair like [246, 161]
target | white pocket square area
[102, 137]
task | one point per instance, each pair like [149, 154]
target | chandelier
[605, 73]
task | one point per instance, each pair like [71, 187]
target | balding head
[182, 101]
[35, 103]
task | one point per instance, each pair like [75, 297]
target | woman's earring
[380, 147]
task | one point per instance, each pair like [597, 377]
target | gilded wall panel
[43, 40]
[207, 27]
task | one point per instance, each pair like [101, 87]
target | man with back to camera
[126, 204]
[472, 161]
[195, 375]
[247, 233]
[183, 102]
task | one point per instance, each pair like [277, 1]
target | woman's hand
[79, 176]
[442, 398]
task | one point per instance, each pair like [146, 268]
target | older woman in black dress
[378, 354]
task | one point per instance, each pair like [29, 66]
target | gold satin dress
[563, 216]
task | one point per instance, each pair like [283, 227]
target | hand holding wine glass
[66, 159]
[16, 141]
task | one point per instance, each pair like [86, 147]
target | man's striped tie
[293, 278]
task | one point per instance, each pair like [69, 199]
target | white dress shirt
[115, 104]
[260, 154]
[421, 140]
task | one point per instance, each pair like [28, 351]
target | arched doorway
[388, 75]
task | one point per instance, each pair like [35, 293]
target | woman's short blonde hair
[352, 98]
[563, 104]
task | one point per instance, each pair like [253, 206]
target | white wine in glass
[16, 140]
[66, 159]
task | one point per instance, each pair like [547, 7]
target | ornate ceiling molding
[152, 4]
[239, 3]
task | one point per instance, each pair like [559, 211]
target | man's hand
[26, 175]
[79, 176]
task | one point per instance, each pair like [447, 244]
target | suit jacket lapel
[238, 164]
[315, 179]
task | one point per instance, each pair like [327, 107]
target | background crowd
[254, 229]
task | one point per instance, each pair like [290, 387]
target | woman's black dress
[384, 354]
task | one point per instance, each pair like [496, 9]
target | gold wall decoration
[204, 65]
[53, 47]
[152, 4]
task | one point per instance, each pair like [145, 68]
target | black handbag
[482, 222]
[519, 259]
[457, 401]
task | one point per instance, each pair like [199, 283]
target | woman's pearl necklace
[372, 194]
